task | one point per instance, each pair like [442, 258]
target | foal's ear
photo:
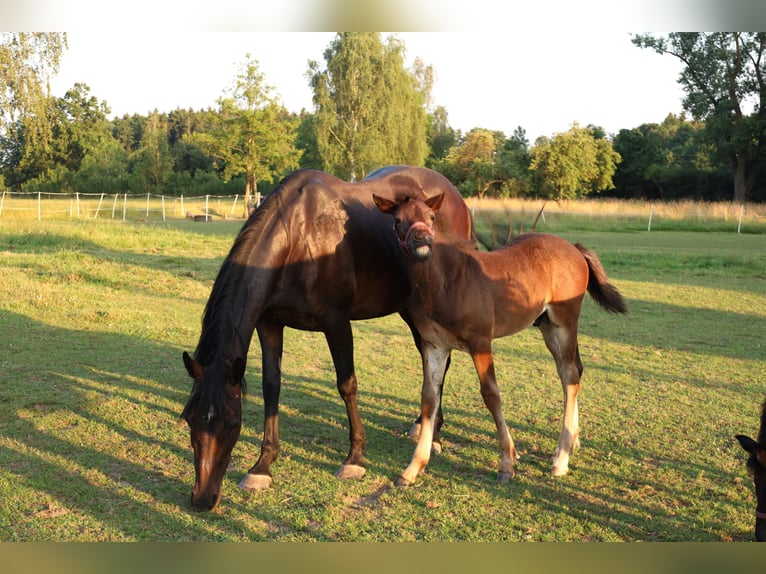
[384, 205]
[435, 202]
[747, 443]
[194, 369]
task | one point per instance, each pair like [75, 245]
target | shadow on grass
[96, 430]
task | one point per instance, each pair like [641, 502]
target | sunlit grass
[95, 315]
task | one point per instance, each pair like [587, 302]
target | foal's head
[756, 464]
[214, 415]
[413, 222]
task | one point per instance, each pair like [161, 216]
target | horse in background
[756, 464]
[464, 298]
[315, 255]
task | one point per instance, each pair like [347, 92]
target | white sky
[541, 81]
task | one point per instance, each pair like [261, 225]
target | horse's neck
[438, 271]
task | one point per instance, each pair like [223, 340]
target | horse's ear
[194, 369]
[384, 205]
[238, 371]
[747, 443]
[435, 202]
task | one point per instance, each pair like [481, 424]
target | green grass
[94, 316]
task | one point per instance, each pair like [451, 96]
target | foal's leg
[485, 368]
[561, 341]
[434, 362]
[271, 336]
[414, 431]
[341, 342]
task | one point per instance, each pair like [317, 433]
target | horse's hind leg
[271, 337]
[561, 340]
[341, 342]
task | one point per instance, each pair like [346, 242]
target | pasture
[94, 316]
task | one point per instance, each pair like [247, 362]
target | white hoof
[351, 471]
[255, 482]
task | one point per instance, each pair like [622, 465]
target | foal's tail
[599, 287]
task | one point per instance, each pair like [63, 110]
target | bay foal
[464, 298]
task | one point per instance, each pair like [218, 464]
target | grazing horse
[464, 298]
[756, 464]
[315, 255]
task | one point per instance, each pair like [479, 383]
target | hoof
[402, 482]
[504, 477]
[560, 470]
[255, 482]
[352, 471]
[436, 447]
[415, 431]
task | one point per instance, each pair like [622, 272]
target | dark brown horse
[756, 464]
[464, 298]
[314, 256]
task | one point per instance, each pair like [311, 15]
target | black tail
[599, 287]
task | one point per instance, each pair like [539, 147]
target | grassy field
[94, 316]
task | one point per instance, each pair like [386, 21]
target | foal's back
[505, 290]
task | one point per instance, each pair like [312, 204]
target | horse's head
[756, 464]
[413, 222]
[214, 415]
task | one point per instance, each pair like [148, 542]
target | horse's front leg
[341, 342]
[485, 367]
[434, 363]
[414, 431]
[271, 337]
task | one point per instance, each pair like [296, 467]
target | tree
[667, 160]
[724, 76]
[255, 136]
[369, 110]
[27, 61]
[512, 164]
[441, 137]
[154, 160]
[573, 164]
[473, 162]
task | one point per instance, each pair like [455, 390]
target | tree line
[370, 110]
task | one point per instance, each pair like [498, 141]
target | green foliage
[369, 110]
[254, 135]
[573, 164]
[723, 75]
[27, 61]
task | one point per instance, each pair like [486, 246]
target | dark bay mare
[756, 464]
[464, 298]
[315, 255]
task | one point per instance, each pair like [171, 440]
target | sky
[541, 81]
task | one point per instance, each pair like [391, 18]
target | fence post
[124, 206]
[147, 204]
[651, 212]
[2, 201]
[77, 202]
[236, 197]
[100, 201]
[207, 198]
[114, 204]
[741, 213]
[183, 213]
[163, 208]
[39, 206]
